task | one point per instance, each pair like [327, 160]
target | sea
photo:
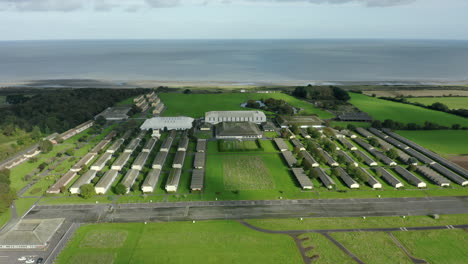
[241, 61]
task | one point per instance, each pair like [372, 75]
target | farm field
[444, 142]
[372, 247]
[450, 102]
[436, 246]
[382, 109]
[177, 242]
[195, 105]
[357, 222]
[416, 93]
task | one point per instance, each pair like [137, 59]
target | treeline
[272, 105]
[7, 195]
[435, 106]
[321, 93]
[395, 125]
[59, 110]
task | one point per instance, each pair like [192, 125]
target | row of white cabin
[173, 180]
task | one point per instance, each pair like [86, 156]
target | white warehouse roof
[179, 122]
[215, 117]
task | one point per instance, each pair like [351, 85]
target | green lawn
[236, 145]
[322, 250]
[195, 105]
[5, 217]
[177, 242]
[358, 222]
[450, 102]
[372, 247]
[440, 141]
[404, 113]
[436, 246]
[24, 204]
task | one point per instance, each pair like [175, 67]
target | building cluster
[173, 181]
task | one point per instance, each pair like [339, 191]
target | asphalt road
[253, 209]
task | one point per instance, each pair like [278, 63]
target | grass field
[246, 173]
[177, 242]
[382, 109]
[440, 141]
[416, 93]
[372, 247]
[357, 222]
[195, 105]
[450, 102]
[236, 145]
[322, 250]
[436, 246]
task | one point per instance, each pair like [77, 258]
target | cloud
[135, 5]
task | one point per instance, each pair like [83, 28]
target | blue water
[236, 60]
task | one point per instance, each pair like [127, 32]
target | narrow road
[343, 248]
[415, 260]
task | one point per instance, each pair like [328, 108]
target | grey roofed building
[100, 146]
[116, 146]
[106, 181]
[327, 181]
[169, 123]
[297, 144]
[149, 145]
[418, 156]
[348, 158]
[173, 180]
[63, 181]
[158, 108]
[350, 182]
[30, 234]
[402, 156]
[121, 161]
[130, 178]
[166, 145]
[199, 160]
[83, 162]
[84, 179]
[378, 133]
[201, 145]
[76, 130]
[372, 181]
[299, 120]
[364, 144]
[356, 117]
[281, 144]
[367, 159]
[198, 179]
[330, 161]
[396, 143]
[430, 154]
[215, 117]
[160, 159]
[433, 176]
[383, 158]
[179, 160]
[206, 127]
[384, 145]
[308, 159]
[345, 142]
[101, 162]
[449, 174]
[363, 132]
[115, 113]
[302, 178]
[140, 161]
[183, 144]
[388, 177]
[151, 181]
[237, 130]
[289, 158]
[410, 177]
[304, 134]
[172, 133]
[132, 145]
[268, 127]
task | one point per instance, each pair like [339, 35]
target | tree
[187, 91]
[351, 127]
[374, 142]
[295, 129]
[36, 133]
[340, 94]
[100, 121]
[120, 189]
[439, 107]
[377, 124]
[392, 153]
[87, 191]
[313, 132]
[46, 146]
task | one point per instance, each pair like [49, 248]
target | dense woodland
[321, 93]
[57, 110]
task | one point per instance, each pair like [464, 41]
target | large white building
[169, 123]
[215, 117]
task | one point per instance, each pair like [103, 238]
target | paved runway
[254, 209]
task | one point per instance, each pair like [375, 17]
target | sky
[233, 19]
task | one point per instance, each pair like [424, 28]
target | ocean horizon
[241, 61]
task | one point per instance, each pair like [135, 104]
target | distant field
[441, 141]
[436, 246]
[195, 105]
[382, 109]
[450, 102]
[417, 93]
[177, 242]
